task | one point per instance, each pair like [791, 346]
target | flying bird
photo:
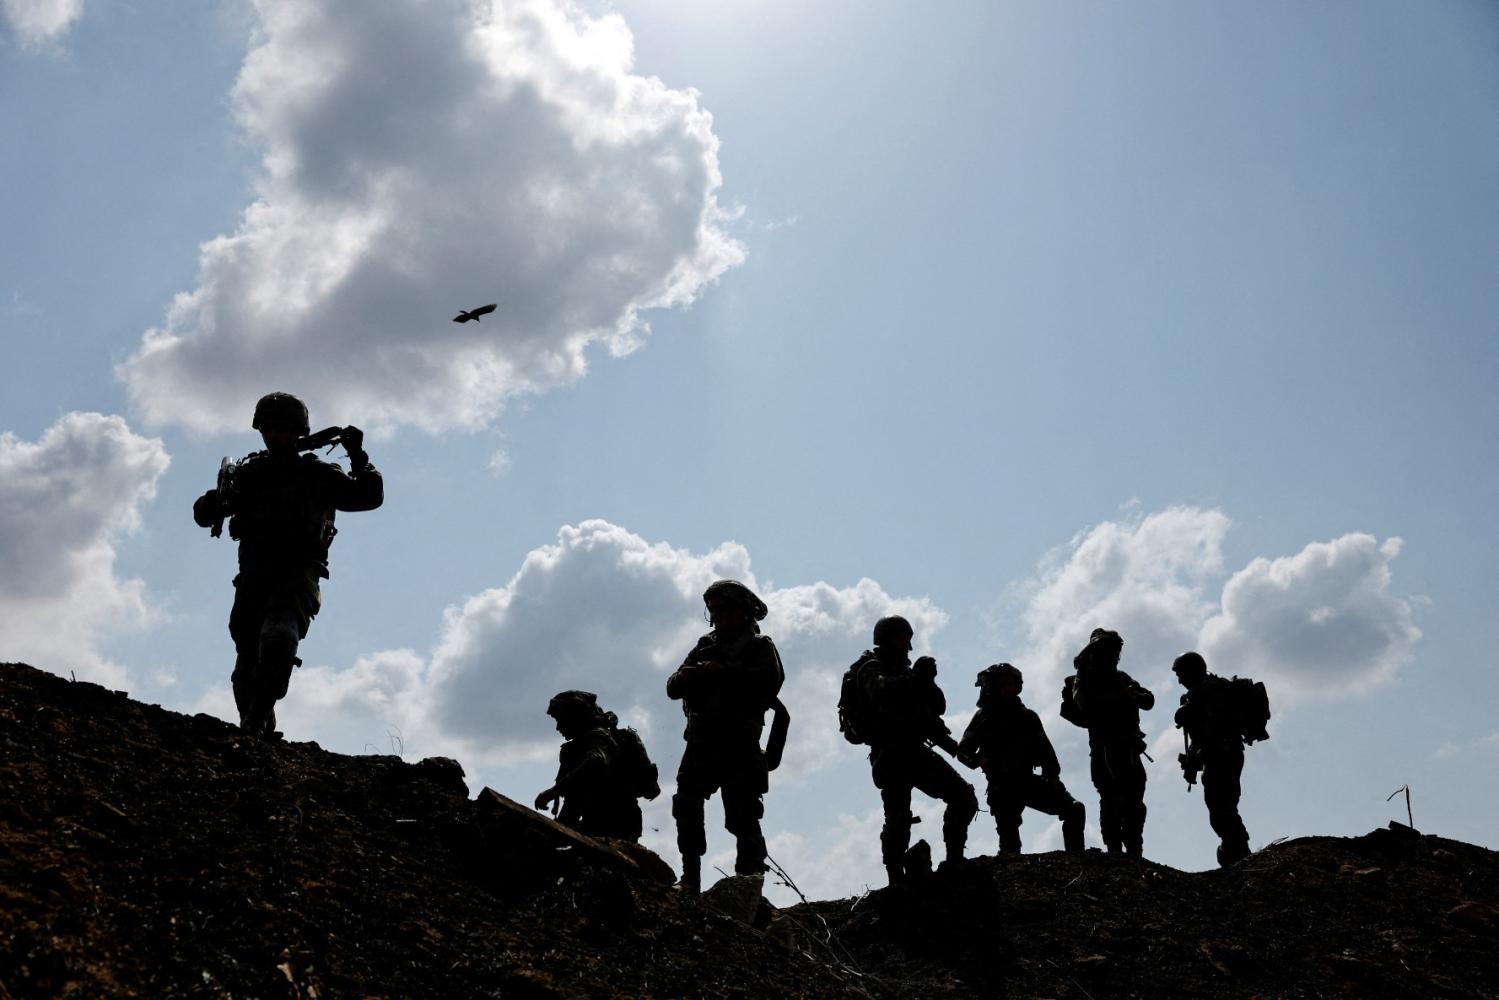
[474, 314]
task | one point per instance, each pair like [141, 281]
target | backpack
[641, 776]
[1249, 708]
[853, 719]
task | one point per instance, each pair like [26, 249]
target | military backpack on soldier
[640, 774]
[1249, 707]
[853, 720]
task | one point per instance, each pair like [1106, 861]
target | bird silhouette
[474, 314]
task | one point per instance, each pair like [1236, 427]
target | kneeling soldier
[1011, 744]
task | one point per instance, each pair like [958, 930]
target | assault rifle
[1190, 761]
[325, 438]
[944, 741]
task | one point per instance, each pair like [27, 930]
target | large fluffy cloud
[1146, 577]
[1321, 622]
[608, 611]
[425, 155]
[38, 22]
[65, 500]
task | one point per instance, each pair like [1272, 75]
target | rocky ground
[146, 853]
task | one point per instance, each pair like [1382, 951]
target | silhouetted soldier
[1106, 701]
[1011, 744]
[281, 509]
[602, 770]
[1215, 748]
[726, 685]
[900, 716]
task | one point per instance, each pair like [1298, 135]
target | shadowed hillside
[147, 853]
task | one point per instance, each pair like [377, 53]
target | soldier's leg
[744, 789]
[1006, 806]
[694, 785]
[1221, 788]
[1050, 796]
[1108, 805]
[892, 777]
[244, 628]
[280, 632]
[937, 778]
[1130, 771]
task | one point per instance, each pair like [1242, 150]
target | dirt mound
[147, 853]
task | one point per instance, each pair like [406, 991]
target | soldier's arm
[364, 490]
[592, 766]
[1046, 754]
[683, 677]
[206, 509]
[763, 673]
[1140, 695]
[973, 735]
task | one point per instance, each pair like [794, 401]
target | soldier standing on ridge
[899, 713]
[602, 770]
[1011, 743]
[280, 504]
[726, 685]
[1216, 748]
[1106, 701]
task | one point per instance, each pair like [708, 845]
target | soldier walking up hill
[602, 770]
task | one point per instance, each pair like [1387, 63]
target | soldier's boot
[1230, 852]
[749, 855]
[1072, 828]
[692, 874]
[1009, 840]
[1134, 848]
[896, 873]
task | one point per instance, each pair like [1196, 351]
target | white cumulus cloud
[65, 501]
[39, 22]
[1145, 577]
[1321, 622]
[425, 156]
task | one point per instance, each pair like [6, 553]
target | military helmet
[1190, 664]
[281, 407]
[737, 592]
[992, 675]
[889, 627]
[573, 703]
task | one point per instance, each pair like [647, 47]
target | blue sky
[1018, 318]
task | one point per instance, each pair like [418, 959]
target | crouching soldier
[1011, 744]
[602, 770]
[726, 685]
[1107, 702]
[1214, 724]
[280, 503]
[900, 711]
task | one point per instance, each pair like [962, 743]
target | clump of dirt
[147, 853]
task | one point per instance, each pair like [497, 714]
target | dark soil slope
[146, 853]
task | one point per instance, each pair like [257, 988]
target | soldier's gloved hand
[353, 441]
[546, 798]
[206, 508]
[925, 667]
